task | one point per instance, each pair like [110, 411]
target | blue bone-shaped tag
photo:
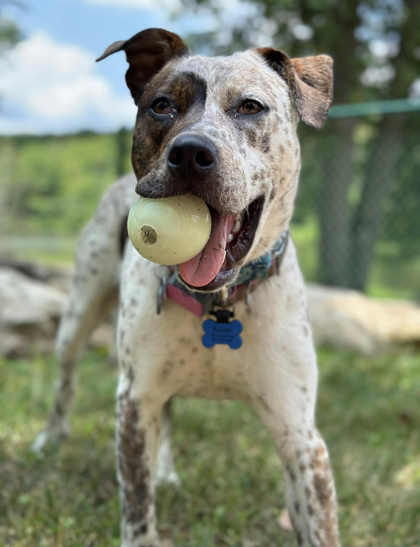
[221, 332]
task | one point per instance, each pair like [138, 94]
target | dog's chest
[183, 365]
[167, 353]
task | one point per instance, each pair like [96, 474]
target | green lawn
[232, 492]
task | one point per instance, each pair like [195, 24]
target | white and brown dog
[222, 129]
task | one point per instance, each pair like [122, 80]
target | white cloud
[47, 86]
[170, 5]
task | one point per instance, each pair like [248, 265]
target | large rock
[347, 319]
[29, 314]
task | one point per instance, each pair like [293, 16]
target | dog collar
[250, 276]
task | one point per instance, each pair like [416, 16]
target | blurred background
[65, 123]
[65, 136]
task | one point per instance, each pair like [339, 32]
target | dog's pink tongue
[204, 267]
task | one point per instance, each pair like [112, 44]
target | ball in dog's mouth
[230, 240]
[169, 230]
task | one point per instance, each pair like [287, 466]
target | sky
[50, 83]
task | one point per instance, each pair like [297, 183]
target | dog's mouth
[230, 240]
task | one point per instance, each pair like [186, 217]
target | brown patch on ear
[314, 85]
[147, 52]
[310, 82]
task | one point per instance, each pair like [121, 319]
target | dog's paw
[50, 436]
[170, 477]
[147, 541]
[284, 521]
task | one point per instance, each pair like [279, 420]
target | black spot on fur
[251, 136]
[134, 472]
[123, 235]
[140, 531]
[265, 143]
[291, 474]
[273, 193]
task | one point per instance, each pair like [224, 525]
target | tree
[386, 150]
[9, 32]
[376, 56]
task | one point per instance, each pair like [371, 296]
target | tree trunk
[384, 157]
[337, 160]
[380, 172]
[333, 208]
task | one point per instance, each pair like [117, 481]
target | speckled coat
[161, 356]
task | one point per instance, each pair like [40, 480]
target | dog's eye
[161, 106]
[249, 108]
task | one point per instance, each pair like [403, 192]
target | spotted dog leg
[309, 484]
[309, 488]
[93, 295]
[82, 314]
[285, 400]
[138, 431]
[166, 472]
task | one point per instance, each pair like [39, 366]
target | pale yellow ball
[169, 230]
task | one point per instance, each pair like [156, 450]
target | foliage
[232, 492]
[403, 203]
[376, 56]
[364, 37]
[50, 187]
[9, 33]
[53, 184]
[359, 176]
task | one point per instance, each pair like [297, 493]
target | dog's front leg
[286, 405]
[309, 485]
[166, 472]
[309, 489]
[138, 425]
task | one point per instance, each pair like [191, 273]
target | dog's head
[223, 129]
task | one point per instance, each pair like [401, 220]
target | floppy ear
[310, 82]
[147, 52]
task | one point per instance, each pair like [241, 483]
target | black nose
[192, 155]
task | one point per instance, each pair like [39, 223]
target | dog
[223, 129]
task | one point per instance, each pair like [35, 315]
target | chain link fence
[357, 219]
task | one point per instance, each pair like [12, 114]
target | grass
[232, 492]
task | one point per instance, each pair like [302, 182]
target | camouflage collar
[250, 276]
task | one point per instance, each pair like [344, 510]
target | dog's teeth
[230, 238]
[238, 217]
[237, 227]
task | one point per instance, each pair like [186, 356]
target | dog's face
[223, 129]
